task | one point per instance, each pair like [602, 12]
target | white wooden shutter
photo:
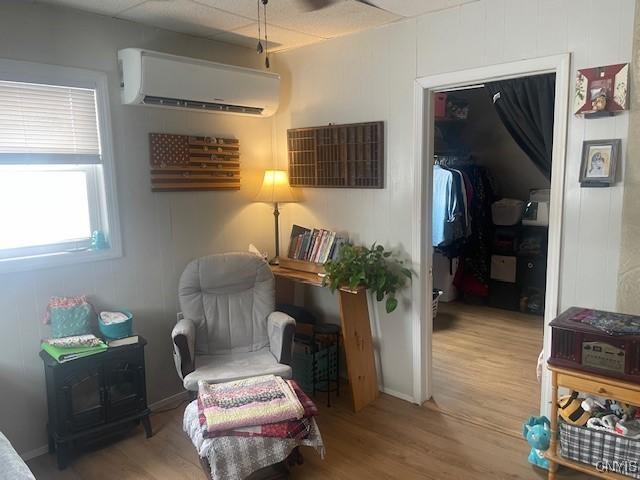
[48, 124]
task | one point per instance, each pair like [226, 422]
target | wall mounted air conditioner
[162, 80]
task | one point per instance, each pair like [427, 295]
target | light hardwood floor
[471, 430]
[485, 365]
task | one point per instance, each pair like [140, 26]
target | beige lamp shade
[275, 188]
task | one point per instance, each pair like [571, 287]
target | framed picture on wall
[602, 90]
[599, 162]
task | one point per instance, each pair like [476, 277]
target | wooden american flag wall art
[188, 163]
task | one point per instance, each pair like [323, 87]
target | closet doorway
[480, 352]
[489, 262]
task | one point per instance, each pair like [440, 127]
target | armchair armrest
[184, 342]
[281, 329]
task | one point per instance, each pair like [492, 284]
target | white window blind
[45, 124]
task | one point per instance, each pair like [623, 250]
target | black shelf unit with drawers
[527, 246]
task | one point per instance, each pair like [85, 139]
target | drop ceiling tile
[104, 7]
[184, 16]
[249, 8]
[340, 18]
[413, 8]
[279, 38]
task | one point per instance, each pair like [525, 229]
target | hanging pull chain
[259, 48]
[266, 41]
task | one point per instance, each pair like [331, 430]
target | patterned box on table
[605, 451]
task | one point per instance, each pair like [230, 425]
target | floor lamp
[275, 189]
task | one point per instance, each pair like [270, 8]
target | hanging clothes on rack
[466, 188]
[472, 277]
[449, 222]
[452, 194]
[462, 228]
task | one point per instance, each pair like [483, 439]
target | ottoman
[240, 458]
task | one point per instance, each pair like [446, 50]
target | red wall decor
[602, 91]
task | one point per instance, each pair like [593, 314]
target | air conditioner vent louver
[193, 105]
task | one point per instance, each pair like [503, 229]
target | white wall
[161, 231]
[369, 76]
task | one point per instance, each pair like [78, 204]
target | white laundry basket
[507, 211]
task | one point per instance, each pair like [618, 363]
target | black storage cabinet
[532, 272]
[95, 396]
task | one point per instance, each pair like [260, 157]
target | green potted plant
[372, 268]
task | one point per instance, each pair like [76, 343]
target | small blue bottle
[98, 240]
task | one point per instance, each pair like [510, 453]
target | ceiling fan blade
[311, 5]
[372, 3]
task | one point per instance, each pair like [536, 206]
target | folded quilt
[297, 429]
[310, 409]
[245, 403]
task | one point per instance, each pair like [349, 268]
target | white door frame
[422, 327]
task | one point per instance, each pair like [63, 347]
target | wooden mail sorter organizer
[339, 156]
[186, 163]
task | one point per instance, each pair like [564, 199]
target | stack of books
[317, 245]
[66, 349]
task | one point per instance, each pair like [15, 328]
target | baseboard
[401, 396]
[165, 402]
[170, 401]
[26, 456]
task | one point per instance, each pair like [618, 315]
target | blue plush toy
[537, 432]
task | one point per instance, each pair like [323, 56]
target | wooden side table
[586, 383]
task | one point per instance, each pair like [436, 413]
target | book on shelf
[121, 342]
[306, 240]
[326, 248]
[67, 354]
[317, 235]
[337, 246]
[296, 232]
[316, 246]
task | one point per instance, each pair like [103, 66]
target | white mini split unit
[162, 80]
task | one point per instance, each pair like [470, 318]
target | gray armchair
[229, 330]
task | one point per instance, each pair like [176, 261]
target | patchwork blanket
[298, 429]
[245, 403]
[235, 458]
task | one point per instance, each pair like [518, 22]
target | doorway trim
[424, 87]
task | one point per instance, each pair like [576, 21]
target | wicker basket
[603, 450]
[436, 299]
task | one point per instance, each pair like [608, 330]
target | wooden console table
[585, 383]
[356, 330]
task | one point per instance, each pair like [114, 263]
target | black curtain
[525, 106]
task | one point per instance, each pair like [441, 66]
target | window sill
[58, 259]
